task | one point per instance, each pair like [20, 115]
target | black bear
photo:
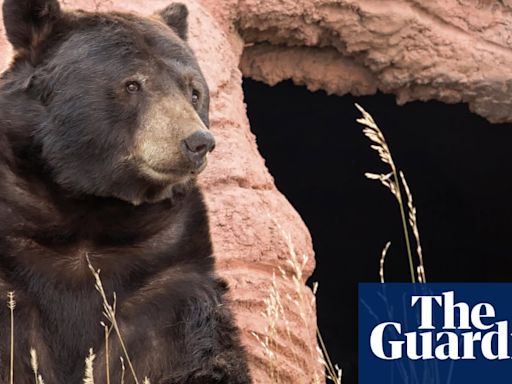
[103, 130]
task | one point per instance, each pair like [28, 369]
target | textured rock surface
[245, 207]
[449, 50]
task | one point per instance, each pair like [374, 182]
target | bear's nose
[197, 145]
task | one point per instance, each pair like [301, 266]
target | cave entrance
[457, 164]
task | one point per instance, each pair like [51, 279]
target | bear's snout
[196, 146]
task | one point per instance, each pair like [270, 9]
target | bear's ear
[28, 23]
[176, 17]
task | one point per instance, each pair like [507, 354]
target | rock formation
[449, 50]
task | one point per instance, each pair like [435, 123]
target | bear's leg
[227, 364]
[177, 330]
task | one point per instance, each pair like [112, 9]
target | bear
[103, 133]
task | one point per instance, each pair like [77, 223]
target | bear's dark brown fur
[103, 129]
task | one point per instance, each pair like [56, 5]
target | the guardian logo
[464, 330]
[435, 333]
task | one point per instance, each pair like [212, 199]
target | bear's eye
[195, 97]
[133, 86]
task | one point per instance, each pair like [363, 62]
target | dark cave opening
[457, 167]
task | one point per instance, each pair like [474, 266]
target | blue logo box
[456, 333]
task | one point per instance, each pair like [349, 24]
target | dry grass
[35, 367]
[395, 181]
[382, 261]
[275, 313]
[89, 368]
[275, 303]
[107, 329]
[413, 223]
[11, 303]
[123, 369]
[109, 313]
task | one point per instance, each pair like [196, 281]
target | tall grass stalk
[382, 261]
[413, 222]
[109, 311]
[107, 330]
[34, 364]
[38, 379]
[394, 181]
[334, 372]
[123, 369]
[11, 304]
[89, 368]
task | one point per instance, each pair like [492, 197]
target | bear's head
[124, 103]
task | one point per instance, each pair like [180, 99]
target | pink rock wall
[449, 50]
